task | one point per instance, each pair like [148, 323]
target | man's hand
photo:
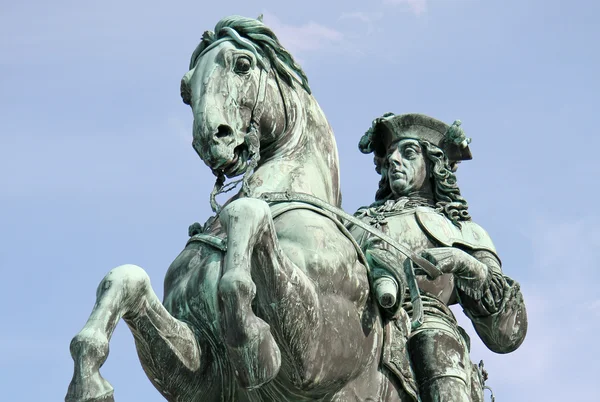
[471, 275]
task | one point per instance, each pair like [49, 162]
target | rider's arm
[499, 316]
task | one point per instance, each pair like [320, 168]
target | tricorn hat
[390, 128]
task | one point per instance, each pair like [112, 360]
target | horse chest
[192, 279]
[316, 246]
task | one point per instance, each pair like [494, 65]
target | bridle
[251, 139]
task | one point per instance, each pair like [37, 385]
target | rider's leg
[440, 361]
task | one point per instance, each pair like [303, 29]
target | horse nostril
[223, 131]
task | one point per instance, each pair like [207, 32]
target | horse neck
[304, 158]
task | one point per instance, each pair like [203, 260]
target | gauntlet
[471, 275]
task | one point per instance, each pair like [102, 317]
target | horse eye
[242, 65]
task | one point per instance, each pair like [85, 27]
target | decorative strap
[211, 240]
[259, 105]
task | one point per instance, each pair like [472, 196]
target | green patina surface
[273, 298]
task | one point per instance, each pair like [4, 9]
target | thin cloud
[416, 6]
[303, 38]
[362, 16]
[368, 18]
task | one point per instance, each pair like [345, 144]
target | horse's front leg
[125, 292]
[251, 346]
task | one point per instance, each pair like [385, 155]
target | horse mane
[252, 32]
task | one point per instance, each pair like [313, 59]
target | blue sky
[96, 167]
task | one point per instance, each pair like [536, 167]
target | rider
[419, 204]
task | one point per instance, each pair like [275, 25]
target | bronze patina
[273, 298]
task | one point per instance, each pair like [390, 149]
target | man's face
[407, 168]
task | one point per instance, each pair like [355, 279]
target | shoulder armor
[470, 235]
[476, 238]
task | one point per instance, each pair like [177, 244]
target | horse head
[234, 74]
[251, 101]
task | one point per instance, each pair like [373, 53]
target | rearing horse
[268, 301]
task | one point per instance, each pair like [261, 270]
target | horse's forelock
[264, 41]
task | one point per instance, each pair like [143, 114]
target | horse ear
[260, 18]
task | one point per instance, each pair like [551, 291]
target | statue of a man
[419, 204]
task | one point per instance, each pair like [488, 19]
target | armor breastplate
[420, 228]
[404, 227]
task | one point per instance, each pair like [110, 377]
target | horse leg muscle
[125, 292]
[251, 346]
[286, 290]
[313, 291]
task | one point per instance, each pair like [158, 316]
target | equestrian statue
[280, 295]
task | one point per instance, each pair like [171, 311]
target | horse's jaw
[237, 165]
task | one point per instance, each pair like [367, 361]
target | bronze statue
[419, 204]
[272, 298]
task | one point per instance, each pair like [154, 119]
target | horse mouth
[238, 164]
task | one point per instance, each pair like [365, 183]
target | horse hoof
[258, 361]
[89, 351]
[91, 389]
[107, 398]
